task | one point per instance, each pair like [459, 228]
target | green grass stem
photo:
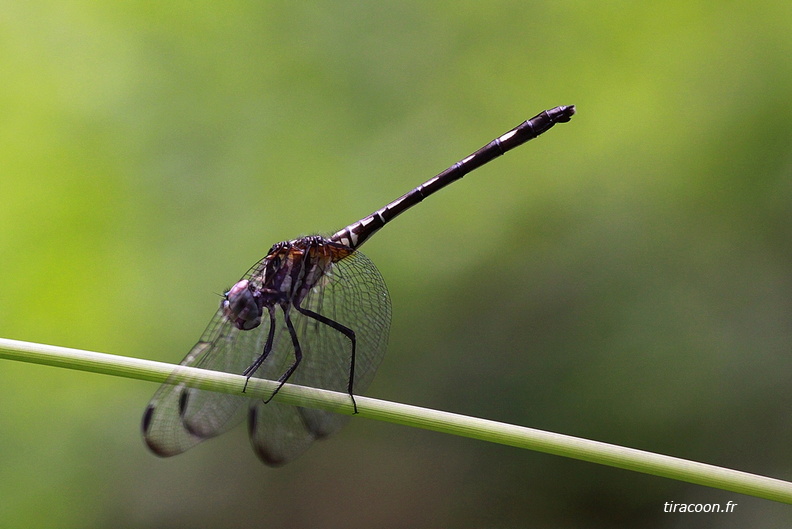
[440, 421]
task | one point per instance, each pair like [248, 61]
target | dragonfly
[314, 311]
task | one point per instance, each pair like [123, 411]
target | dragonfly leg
[264, 354]
[346, 331]
[297, 354]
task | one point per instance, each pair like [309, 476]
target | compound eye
[241, 306]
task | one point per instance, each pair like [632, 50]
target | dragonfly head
[242, 305]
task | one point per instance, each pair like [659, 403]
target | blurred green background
[627, 277]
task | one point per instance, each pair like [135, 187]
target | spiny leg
[297, 354]
[346, 331]
[263, 356]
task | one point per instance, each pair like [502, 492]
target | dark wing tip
[147, 416]
[153, 445]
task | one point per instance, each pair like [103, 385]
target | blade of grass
[440, 421]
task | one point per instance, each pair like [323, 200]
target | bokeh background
[627, 277]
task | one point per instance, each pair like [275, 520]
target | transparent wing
[353, 294]
[177, 417]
